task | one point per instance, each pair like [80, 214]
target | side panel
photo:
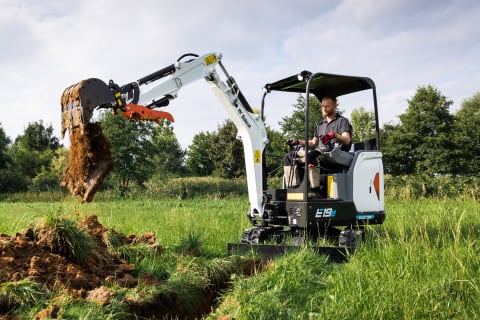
[367, 182]
[331, 213]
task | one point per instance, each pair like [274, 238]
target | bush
[414, 187]
[180, 188]
[396, 188]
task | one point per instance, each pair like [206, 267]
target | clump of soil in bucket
[89, 161]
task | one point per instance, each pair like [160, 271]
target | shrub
[197, 186]
[414, 187]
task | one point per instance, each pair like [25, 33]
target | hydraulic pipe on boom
[250, 126]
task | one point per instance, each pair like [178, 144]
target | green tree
[33, 151]
[421, 143]
[275, 152]
[141, 150]
[38, 137]
[4, 142]
[131, 144]
[467, 136]
[363, 123]
[10, 180]
[293, 126]
[199, 162]
[395, 152]
[48, 179]
[226, 152]
[166, 155]
[219, 151]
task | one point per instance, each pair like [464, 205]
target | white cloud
[401, 45]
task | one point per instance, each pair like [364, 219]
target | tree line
[427, 141]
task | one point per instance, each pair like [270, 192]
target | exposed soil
[89, 161]
[27, 256]
[30, 255]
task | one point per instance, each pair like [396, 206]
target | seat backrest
[370, 144]
[339, 157]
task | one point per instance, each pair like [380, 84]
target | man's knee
[288, 159]
[312, 157]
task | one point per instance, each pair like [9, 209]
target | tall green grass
[213, 221]
[411, 187]
[422, 263]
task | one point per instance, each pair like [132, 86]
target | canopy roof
[322, 84]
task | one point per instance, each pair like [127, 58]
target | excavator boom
[137, 101]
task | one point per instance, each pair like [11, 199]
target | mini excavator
[281, 219]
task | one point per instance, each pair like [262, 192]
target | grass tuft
[21, 294]
[63, 236]
[191, 244]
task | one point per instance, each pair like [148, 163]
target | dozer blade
[79, 101]
[270, 251]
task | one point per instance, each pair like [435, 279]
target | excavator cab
[351, 196]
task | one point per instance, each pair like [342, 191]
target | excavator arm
[138, 101]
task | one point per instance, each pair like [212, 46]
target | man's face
[328, 107]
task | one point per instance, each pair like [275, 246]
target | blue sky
[51, 44]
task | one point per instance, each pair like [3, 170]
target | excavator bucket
[89, 158]
[79, 101]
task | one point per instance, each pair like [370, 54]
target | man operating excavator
[334, 130]
[352, 180]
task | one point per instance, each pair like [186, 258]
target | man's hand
[326, 138]
[292, 142]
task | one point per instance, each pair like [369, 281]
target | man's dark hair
[331, 97]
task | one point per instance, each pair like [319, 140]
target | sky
[49, 45]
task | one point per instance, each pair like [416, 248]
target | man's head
[329, 106]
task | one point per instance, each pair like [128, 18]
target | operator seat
[338, 160]
[338, 157]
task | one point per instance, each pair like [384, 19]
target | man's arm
[311, 143]
[344, 137]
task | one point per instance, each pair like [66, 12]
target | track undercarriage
[271, 241]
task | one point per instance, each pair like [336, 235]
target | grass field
[423, 263]
[214, 221]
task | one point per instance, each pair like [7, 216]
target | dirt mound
[37, 256]
[89, 161]
[27, 255]
[30, 255]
